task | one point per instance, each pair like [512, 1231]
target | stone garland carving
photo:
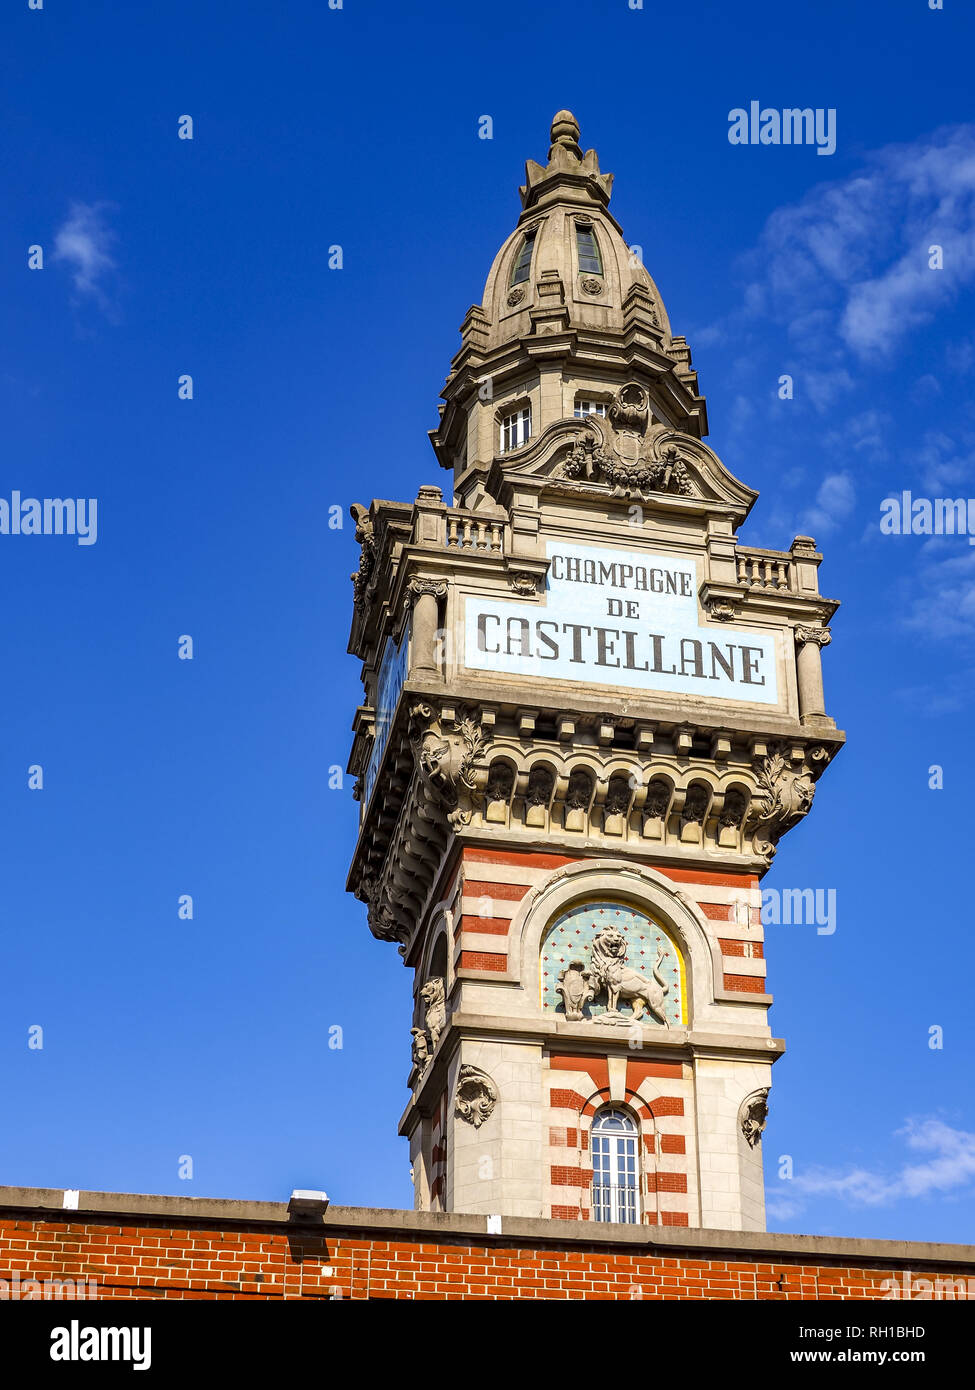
[628, 471]
[364, 534]
[755, 1117]
[618, 797]
[733, 811]
[445, 754]
[541, 784]
[501, 782]
[579, 791]
[658, 799]
[695, 805]
[608, 970]
[476, 1095]
[784, 797]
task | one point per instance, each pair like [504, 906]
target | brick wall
[185, 1248]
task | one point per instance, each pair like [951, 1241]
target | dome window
[590, 261]
[523, 265]
[584, 407]
[516, 429]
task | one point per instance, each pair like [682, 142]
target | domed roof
[567, 249]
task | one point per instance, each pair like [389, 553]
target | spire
[569, 173]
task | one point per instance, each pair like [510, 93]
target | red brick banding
[745, 984]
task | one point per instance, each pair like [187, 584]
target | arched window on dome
[614, 1146]
[590, 261]
[522, 266]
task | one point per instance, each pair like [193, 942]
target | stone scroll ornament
[624, 464]
[784, 795]
[446, 752]
[476, 1095]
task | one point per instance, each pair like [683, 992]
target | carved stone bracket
[446, 751]
[383, 922]
[476, 1095]
[784, 796]
[523, 583]
[754, 1116]
[721, 610]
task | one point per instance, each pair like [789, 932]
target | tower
[590, 714]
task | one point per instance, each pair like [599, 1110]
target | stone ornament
[783, 797]
[608, 970]
[609, 963]
[382, 920]
[421, 1050]
[575, 988]
[476, 1096]
[516, 296]
[755, 1117]
[435, 1017]
[820, 635]
[591, 285]
[417, 587]
[721, 610]
[625, 465]
[365, 536]
[445, 751]
[523, 583]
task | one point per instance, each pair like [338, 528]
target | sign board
[620, 618]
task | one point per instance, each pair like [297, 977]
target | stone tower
[589, 716]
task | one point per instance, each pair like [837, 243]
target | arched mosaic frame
[568, 937]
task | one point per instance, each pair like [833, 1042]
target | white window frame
[585, 405]
[514, 429]
[616, 1168]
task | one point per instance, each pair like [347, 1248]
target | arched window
[614, 1143]
[590, 261]
[522, 266]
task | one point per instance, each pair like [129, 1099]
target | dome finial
[565, 133]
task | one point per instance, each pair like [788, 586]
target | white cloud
[83, 243]
[945, 603]
[947, 1170]
[846, 269]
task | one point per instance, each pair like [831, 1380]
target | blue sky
[314, 388]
